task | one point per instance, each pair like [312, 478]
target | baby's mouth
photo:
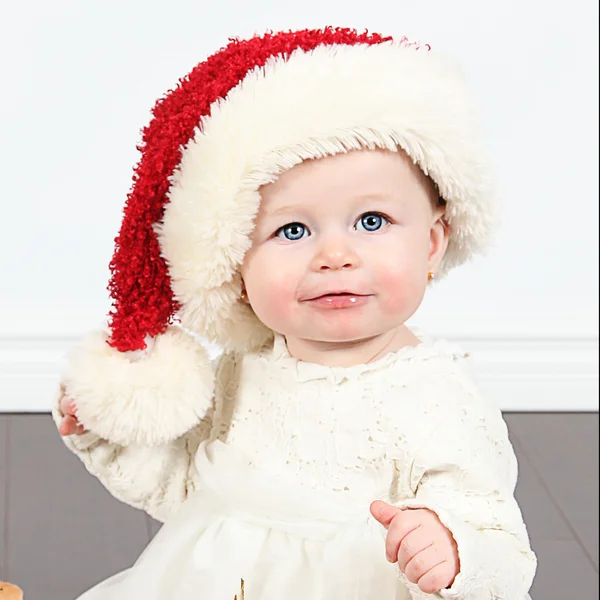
[338, 300]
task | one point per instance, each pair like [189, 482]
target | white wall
[78, 80]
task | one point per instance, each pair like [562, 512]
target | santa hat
[248, 113]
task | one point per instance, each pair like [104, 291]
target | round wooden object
[8, 591]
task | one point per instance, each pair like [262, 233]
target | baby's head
[344, 246]
[342, 140]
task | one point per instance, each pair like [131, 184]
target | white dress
[274, 487]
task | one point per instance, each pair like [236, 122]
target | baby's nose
[335, 254]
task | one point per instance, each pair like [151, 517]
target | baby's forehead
[359, 175]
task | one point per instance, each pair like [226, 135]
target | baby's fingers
[439, 578]
[402, 526]
[71, 426]
[68, 425]
[67, 406]
[80, 429]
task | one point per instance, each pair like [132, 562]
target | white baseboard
[523, 374]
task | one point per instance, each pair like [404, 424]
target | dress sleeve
[466, 472]
[146, 412]
[154, 478]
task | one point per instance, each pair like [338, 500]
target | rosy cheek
[274, 302]
[400, 289]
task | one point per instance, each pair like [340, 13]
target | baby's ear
[149, 396]
[439, 238]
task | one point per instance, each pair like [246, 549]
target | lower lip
[339, 301]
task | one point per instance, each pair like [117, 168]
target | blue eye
[292, 232]
[371, 222]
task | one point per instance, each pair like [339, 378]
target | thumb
[383, 512]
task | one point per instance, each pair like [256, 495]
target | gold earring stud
[244, 295]
[430, 276]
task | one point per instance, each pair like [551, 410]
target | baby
[296, 195]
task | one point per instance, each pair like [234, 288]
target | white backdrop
[78, 81]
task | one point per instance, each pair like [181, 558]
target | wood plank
[564, 573]
[153, 526]
[563, 449]
[544, 520]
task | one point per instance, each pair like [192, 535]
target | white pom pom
[146, 397]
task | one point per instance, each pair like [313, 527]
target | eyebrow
[281, 210]
[378, 197]
[297, 209]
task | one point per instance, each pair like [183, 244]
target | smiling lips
[339, 300]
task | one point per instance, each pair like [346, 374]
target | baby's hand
[424, 549]
[69, 424]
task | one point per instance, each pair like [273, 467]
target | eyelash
[386, 221]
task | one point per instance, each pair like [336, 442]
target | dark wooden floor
[62, 532]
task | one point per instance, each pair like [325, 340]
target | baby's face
[342, 247]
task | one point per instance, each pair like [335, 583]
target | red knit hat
[249, 112]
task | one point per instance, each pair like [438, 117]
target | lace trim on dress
[304, 371]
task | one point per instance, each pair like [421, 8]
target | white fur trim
[331, 100]
[148, 397]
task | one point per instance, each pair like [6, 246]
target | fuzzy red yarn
[140, 287]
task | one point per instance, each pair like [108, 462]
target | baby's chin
[355, 336]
